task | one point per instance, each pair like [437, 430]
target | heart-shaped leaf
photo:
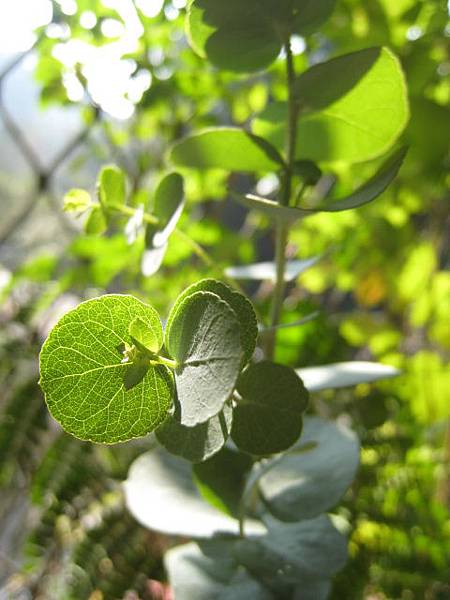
[241, 306]
[203, 337]
[83, 372]
[302, 485]
[353, 108]
[268, 415]
[196, 443]
[228, 148]
[161, 495]
[370, 190]
[345, 374]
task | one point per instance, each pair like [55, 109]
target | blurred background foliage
[115, 81]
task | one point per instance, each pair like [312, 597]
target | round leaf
[83, 372]
[161, 495]
[241, 306]
[196, 443]
[226, 148]
[354, 108]
[303, 485]
[268, 416]
[203, 337]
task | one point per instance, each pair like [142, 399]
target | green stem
[282, 229]
[162, 360]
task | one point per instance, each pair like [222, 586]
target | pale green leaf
[344, 374]
[111, 186]
[146, 335]
[95, 223]
[196, 443]
[268, 415]
[203, 337]
[77, 200]
[302, 485]
[241, 306]
[82, 369]
[161, 495]
[227, 148]
[353, 108]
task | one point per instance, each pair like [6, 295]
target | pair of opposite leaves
[99, 394]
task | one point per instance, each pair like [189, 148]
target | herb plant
[259, 473]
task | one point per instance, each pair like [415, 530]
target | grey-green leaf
[353, 108]
[241, 306]
[82, 373]
[268, 416]
[370, 190]
[196, 443]
[161, 495]
[345, 374]
[203, 337]
[303, 485]
[228, 148]
[112, 186]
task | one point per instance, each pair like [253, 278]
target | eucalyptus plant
[236, 462]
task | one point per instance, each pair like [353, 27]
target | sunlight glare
[18, 20]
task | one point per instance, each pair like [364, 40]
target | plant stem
[162, 360]
[282, 229]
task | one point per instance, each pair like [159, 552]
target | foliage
[384, 282]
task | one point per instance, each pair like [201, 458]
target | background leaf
[82, 373]
[112, 186]
[344, 374]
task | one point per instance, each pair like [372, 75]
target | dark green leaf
[226, 148]
[241, 306]
[221, 479]
[303, 485]
[196, 443]
[268, 415]
[82, 373]
[203, 336]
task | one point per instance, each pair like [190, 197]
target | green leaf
[147, 337]
[221, 479]
[112, 186]
[200, 572]
[95, 223]
[77, 200]
[227, 148]
[161, 495]
[370, 190]
[303, 485]
[353, 108]
[241, 306]
[345, 374]
[196, 443]
[203, 337]
[268, 416]
[82, 372]
[248, 36]
[294, 553]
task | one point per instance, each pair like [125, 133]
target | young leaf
[197, 572]
[95, 223]
[226, 148]
[161, 495]
[145, 335]
[82, 372]
[294, 553]
[370, 190]
[268, 416]
[111, 186]
[303, 485]
[247, 36]
[203, 337]
[196, 443]
[77, 200]
[266, 271]
[241, 306]
[221, 479]
[345, 374]
[353, 108]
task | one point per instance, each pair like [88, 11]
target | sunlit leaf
[344, 374]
